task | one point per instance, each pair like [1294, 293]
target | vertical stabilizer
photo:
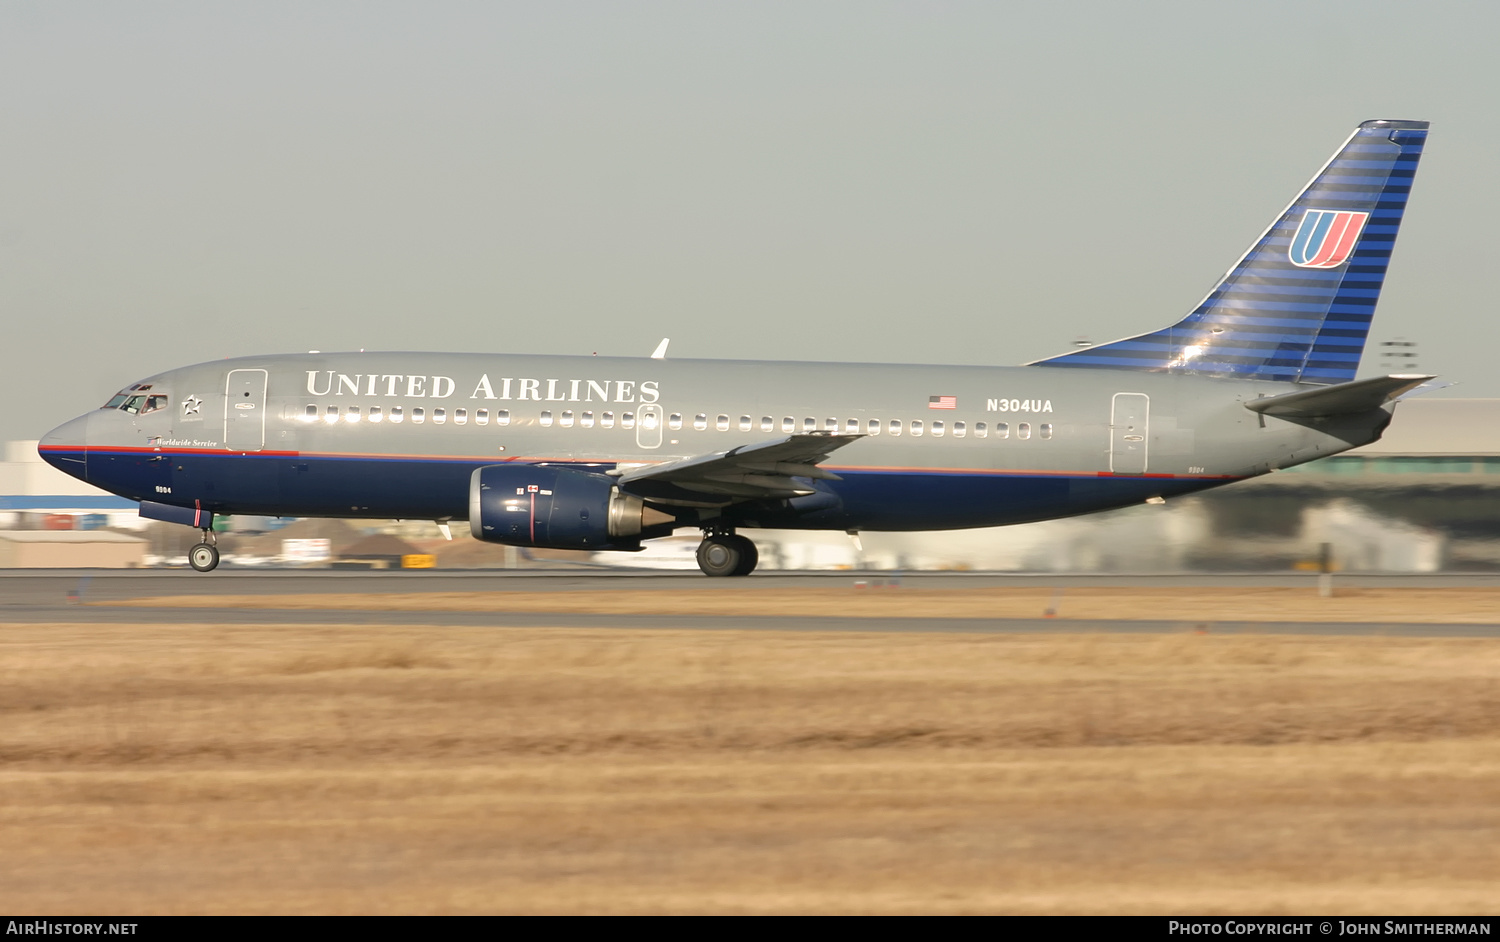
[1297, 307]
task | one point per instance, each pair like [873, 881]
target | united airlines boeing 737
[597, 453]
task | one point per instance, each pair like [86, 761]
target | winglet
[661, 349]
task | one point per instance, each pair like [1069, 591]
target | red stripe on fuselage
[536, 459]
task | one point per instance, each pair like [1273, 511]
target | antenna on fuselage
[661, 349]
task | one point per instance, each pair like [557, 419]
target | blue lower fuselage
[434, 489]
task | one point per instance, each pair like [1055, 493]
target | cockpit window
[134, 399]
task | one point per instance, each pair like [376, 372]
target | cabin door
[245, 410]
[1129, 432]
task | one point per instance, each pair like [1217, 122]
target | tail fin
[1297, 307]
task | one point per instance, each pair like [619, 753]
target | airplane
[602, 453]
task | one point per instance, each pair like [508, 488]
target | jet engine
[558, 508]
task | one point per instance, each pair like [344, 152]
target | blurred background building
[1426, 498]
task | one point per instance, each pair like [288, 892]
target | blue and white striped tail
[1298, 306]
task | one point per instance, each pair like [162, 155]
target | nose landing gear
[205, 556]
[726, 554]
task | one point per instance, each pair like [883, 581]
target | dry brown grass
[1392, 606]
[153, 769]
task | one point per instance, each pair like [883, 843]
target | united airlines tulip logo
[1326, 238]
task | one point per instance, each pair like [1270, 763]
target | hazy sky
[934, 182]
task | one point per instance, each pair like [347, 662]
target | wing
[767, 470]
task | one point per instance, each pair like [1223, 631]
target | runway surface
[33, 596]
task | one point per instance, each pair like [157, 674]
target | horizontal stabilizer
[1345, 398]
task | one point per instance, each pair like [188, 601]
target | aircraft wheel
[203, 557]
[749, 556]
[726, 555]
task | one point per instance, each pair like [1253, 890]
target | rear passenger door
[1129, 432]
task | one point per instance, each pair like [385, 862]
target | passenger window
[1023, 430]
[587, 420]
[460, 416]
[481, 417]
[566, 419]
[674, 421]
[353, 415]
[809, 425]
[1044, 431]
[649, 421]
[331, 415]
[546, 420]
[832, 425]
[981, 430]
[375, 415]
[312, 413]
[1002, 430]
[959, 430]
[916, 427]
[700, 421]
[895, 427]
[851, 427]
[418, 415]
[502, 417]
[744, 423]
[396, 417]
[722, 423]
[627, 420]
[439, 416]
[873, 427]
[607, 419]
[767, 424]
[937, 428]
[788, 424]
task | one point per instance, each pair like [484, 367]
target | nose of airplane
[66, 447]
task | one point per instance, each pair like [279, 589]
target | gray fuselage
[397, 435]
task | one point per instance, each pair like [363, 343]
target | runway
[41, 596]
[669, 739]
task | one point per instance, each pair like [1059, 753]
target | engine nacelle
[556, 508]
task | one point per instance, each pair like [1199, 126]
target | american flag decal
[942, 402]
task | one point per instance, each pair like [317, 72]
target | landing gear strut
[205, 556]
[726, 554]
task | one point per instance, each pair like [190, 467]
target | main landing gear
[204, 556]
[726, 553]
